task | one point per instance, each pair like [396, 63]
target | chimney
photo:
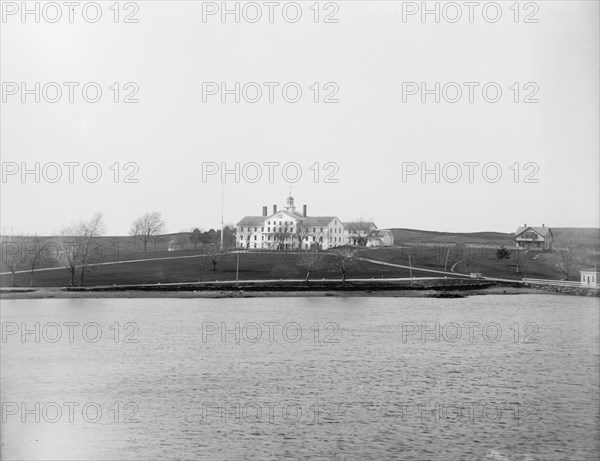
[304, 210]
[264, 211]
[543, 225]
[525, 225]
[274, 209]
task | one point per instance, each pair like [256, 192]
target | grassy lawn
[474, 252]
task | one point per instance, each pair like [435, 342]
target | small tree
[212, 252]
[310, 260]
[146, 227]
[77, 247]
[196, 237]
[501, 254]
[12, 263]
[343, 260]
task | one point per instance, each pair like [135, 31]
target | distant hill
[586, 238]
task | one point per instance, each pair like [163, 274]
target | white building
[381, 238]
[288, 229]
[590, 277]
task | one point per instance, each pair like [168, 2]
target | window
[262, 229]
[268, 229]
[255, 237]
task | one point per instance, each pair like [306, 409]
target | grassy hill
[464, 252]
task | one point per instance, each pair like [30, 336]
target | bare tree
[11, 260]
[213, 251]
[565, 258]
[343, 259]
[280, 238]
[33, 258]
[310, 260]
[302, 233]
[245, 237]
[77, 247]
[360, 231]
[148, 226]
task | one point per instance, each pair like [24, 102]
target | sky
[502, 162]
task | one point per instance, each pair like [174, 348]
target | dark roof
[590, 270]
[353, 223]
[313, 221]
[252, 221]
[543, 231]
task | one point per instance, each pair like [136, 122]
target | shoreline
[59, 293]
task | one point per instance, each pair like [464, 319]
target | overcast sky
[369, 134]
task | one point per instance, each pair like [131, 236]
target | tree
[343, 259]
[301, 234]
[280, 238]
[12, 262]
[196, 237]
[33, 258]
[310, 260]
[212, 252]
[147, 226]
[501, 254]
[565, 258]
[360, 231]
[77, 246]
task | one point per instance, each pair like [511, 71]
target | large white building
[288, 229]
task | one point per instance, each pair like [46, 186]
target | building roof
[543, 231]
[366, 223]
[596, 270]
[252, 221]
[313, 221]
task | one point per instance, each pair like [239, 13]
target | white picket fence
[560, 283]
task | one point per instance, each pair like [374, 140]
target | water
[354, 367]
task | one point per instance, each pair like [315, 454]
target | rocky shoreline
[451, 288]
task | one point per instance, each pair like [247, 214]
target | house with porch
[534, 238]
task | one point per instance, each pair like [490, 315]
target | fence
[560, 283]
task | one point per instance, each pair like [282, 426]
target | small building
[175, 245]
[590, 277]
[381, 238]
[534, 238]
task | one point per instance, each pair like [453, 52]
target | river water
[481, 378]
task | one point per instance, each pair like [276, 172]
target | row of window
[336, 230]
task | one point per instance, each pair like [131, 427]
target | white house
[534, 238]
[381, 238]
[590, 277]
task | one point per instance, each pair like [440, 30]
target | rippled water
[348, 378]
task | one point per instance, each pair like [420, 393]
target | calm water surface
[347, 378]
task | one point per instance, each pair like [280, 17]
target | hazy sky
[370, 134]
